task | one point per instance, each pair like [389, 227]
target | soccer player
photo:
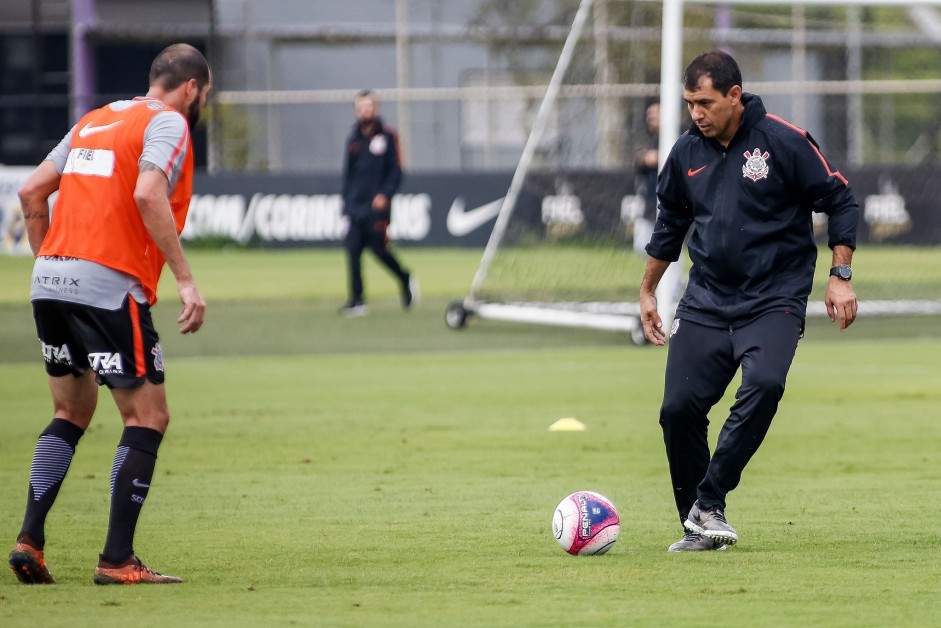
[749, 182]
[124, 175]
[372, 172]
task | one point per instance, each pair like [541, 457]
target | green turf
[607, 273]
[388, 471]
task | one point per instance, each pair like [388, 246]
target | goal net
[561, 251]
[566, 248]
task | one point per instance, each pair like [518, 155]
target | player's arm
[150, 194]
[38, 187]
[34, 200]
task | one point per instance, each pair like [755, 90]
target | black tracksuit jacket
[752, 248]
[371, 167]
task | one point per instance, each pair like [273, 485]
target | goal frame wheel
[456, 315]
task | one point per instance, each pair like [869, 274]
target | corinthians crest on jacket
[756, 166]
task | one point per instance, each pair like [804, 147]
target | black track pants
[363, 234]
[700, 365]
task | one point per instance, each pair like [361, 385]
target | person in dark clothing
[372, 173]
[749, 182]
[646, 165]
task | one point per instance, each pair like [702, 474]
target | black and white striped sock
[131, 474]
[51, 460]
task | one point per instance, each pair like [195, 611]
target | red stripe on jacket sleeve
[831, 173]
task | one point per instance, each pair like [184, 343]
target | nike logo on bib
[461, 222]
[90, 129]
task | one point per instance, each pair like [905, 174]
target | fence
[861, 79]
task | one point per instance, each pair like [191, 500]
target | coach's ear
[735, 95]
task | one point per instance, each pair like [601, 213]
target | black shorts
[121, 346]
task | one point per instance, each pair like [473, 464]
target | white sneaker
[711, 524]
[695, 542]
[353, 309]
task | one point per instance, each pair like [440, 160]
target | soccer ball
[586, 523]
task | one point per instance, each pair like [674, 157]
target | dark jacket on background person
[645, 184]
[371, 167]
[753, 248]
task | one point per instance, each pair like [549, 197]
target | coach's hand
[841, 302]
[650, 319]
[194, 307]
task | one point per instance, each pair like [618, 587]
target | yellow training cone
[568, 424]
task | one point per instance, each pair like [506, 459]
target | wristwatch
[843, 271]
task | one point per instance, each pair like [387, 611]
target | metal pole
[83, 58]
[670, 76]
[670, 98]
[213, 137]
[854, 72]
[799, 63]
[36, 117]
[402, 75]
[274, 114]
[607, 127]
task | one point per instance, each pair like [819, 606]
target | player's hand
[841, 302]
[650, 320]
[194, 307]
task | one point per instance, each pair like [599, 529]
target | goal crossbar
[671, 47]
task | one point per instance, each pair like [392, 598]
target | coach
[748, 181]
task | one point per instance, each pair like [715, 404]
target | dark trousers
[700, 365]
[366, 233]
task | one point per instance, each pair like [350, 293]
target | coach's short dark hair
[717, 65]
[365, 93]
[177, 64]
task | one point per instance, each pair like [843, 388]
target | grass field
[387, 471]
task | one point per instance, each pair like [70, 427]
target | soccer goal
[561, 249]
[856, 74]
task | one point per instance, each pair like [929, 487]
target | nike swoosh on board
[461, 222]
[90, 129]
[692, 173]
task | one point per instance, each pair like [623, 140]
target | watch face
[843, 272]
